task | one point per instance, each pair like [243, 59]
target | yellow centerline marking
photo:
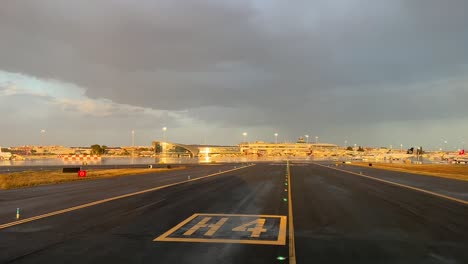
[292, 247]
[30, 219]
[400, 185]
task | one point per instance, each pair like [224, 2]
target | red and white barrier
[80, 157]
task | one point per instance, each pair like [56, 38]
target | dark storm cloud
[251, 62]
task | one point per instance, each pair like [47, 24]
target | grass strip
[24, 179]
[451, 171]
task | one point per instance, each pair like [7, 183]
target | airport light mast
[133, 143]
[43, 132]
[164, 129]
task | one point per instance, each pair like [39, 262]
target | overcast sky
[374, 73]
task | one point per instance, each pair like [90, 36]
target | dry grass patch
[33, 178]
[452, 171]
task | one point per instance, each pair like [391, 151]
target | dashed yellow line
[30, 219]
[292, 246]
[400, 185]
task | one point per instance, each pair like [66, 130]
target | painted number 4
[256, 227]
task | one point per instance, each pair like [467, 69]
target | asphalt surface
[48, 198]
[338, 218]
[451, 187]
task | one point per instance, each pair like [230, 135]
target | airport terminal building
[172, 149]
[257, 148]
[266, 149]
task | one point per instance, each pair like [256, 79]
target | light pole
[307, 139]
[164, 129]
[345, 143]
[445, 145]
[133, 143]
[316, 139]
[355, 145]
[276, 138]
[43, 132]
[401, 148]
[245, 137]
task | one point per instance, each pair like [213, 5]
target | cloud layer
[318, 67]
